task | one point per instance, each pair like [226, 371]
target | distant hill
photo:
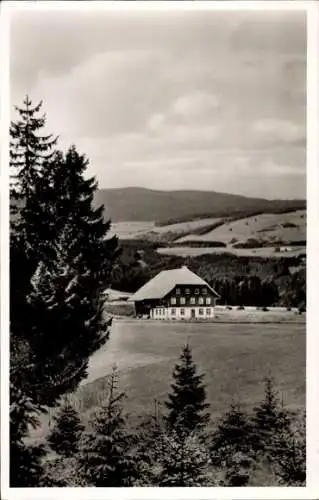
[163, 207]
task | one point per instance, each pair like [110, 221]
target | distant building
[285, 249]
[176, 294]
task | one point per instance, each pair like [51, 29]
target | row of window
[160, 312]
[188, 291]
[201, 300]
[200, 311]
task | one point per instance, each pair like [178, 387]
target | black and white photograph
[158, 246]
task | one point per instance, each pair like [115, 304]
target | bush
[301, 309]
[289, 224]
[250, 243]
[240, 308]
[265, 309]
[229, 308]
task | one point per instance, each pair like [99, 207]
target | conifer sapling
[186, 402]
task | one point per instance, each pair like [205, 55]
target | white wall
[163, 313]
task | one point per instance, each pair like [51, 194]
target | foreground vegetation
[174, 446]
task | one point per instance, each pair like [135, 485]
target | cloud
[109, 93]
[172, 100]
[276, 130]
[195, 105]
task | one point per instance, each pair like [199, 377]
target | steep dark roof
[165, 281]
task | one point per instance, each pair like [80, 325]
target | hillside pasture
[269, 227]
[187, 226]
[130, 229]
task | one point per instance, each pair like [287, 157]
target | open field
[240, 252]
[130, 229]
[266, 228]
[234, 357]
[149, 231]
[270, 227]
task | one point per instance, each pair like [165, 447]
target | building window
[187, 291]
[208, 300]
[192, 300]
[200, 311]
[182, 312]
[208, 311]
[173, 300]
[204, 291]
[173, 312]
[200, 300]
[183, 301]
[178, 291]
[196, 291]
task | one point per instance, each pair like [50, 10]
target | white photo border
[311, 490]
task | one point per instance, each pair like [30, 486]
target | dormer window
[178, 291]
[204, 291]
[173, 300]
[183, 300]
[187, 291]
[196, 291]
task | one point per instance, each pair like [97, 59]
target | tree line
[61, 259]
[238, 280]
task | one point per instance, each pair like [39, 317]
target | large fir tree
[186, 403]
[106, 456]
[60, 260]
[29, 149]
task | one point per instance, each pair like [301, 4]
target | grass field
[235, 358]
[265, 227]
[288, 226]
[239, 252]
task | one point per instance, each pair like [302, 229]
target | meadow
[266, 252]
[287, 227]
[235, 358]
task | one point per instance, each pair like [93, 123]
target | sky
[173, 99]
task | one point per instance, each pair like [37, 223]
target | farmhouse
[176, 294]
